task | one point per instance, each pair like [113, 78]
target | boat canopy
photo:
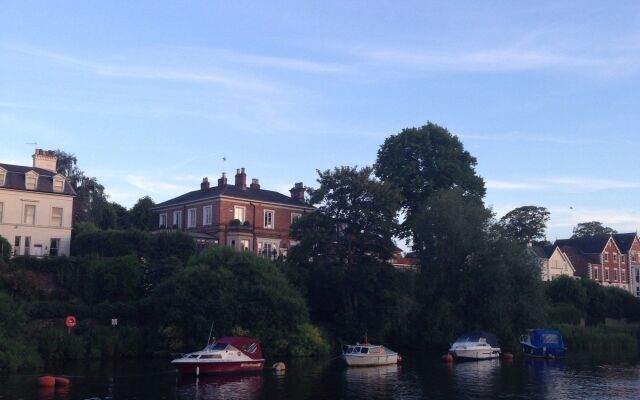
[548, 338]
[249, 346]
[476, 336]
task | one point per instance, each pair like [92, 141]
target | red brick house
[598, 258]
[629, 245]
[236, 215]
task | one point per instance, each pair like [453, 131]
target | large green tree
[525, 224]
[591, 228]
[141, 215]
[422, 161]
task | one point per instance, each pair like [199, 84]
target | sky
[152, 96]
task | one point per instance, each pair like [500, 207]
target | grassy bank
[601, 342]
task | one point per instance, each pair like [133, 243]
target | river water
[328, 379]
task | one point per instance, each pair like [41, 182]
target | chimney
[223, 181]
[241, 179]
[297, 192]
[45, 159]
[204, 185]
[255, 184]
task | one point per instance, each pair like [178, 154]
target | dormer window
[3, 176]
[31, 180]
[58, 183]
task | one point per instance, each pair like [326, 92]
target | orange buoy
[447, 358]
[60, 381]
[507, 356]
[46, 381]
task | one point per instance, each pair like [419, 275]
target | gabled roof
[588, 244]
[543, 251]
[624, 240]
[16, 179]
[268, 196]
[579, 260]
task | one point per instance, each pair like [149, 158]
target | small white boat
[227, 354]
[365, 354]
[475, 346]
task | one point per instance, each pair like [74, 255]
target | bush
[5, 249]
[308, 342]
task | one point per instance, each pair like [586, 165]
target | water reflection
[476, 379]
[220, 387]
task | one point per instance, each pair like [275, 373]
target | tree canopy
[591, 228]
[525, 224]
[422, 161]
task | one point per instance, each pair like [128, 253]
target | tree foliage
[5, 249]
[525, 224]
[591, 228]
[425, 160]
[141, 216]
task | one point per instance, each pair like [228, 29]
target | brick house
[598, 258]
[236, 215]
[629, 245]
[36, 207]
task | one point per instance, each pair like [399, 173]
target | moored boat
[475, 346]
[230, 354]
[365, 354]
[543, 343]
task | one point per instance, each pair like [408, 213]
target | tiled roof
[624, 241]
[579, 260]
[588, 244]
[261, 195]
[16, 179]
[543, 251]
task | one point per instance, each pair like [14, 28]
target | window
[637, 275]
[606, 274]
[3, 176]
[233, 243]
[595, 273]
[606, 256]
[623, 276]
[54, 247]
[615, 257]
[622, 258]
[56, 216]
[177, 219]
[162, 222]
[268, 248]
[615, 274]
[244, 244]
[295, 217]
[31, 180]
[207, 216]
[16, 245]
[191, 218]
[58, 184]
[240, 213]
[638, 291]
[29, 214]
[268, 219]
[27, 245]
[1, 210]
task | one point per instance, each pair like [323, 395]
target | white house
[553, 262]
[36, 207]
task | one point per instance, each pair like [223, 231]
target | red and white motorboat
[226, 355]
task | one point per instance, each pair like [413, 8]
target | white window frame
[58, 180]
[31, 175]
[61, 216]
[192, 215]
[595, 273]
[240, 210]
[162, 221]
[269, 224]
[3, 176]
[615, 257]
[242, 244]
[294, 217]
[615, 274]
[606, 257]
[606, 273]
[623, 275]
[177, 219]
[622, 258]
[1, 211]
[24, 214]
[207, 215]
[272, 244]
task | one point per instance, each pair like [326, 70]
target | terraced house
[36, 207]
[244, 217]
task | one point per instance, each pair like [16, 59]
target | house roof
[543, 251]
[588, 244]
[16, 180]
[579, 260]
[268, 196]
[624, 240]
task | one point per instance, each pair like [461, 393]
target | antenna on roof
[34, 144]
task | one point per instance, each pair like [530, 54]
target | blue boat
[543, 343]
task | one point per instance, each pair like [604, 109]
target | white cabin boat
[475, 346]
[365, 354]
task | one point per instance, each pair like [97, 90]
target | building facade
[629, 245]
[553, 262]
[236, 215]
[36, 207]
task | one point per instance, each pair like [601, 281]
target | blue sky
[151, 96]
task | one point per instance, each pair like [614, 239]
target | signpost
[70, 322]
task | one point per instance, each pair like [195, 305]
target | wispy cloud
[505, 185]
[155, 186]
[617, 219]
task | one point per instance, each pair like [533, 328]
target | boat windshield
[550, 338]
[216, 346]
[471, 339]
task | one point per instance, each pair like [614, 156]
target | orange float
[60, 381]
[46, 381]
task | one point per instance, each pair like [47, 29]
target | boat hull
[225, 367]
[475, 354]
[364, 360]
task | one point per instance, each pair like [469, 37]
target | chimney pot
[241, 179]
[204, 185]
[297, 192]
[255, 184]
[45, 159]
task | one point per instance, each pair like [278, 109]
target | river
[328, 379]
